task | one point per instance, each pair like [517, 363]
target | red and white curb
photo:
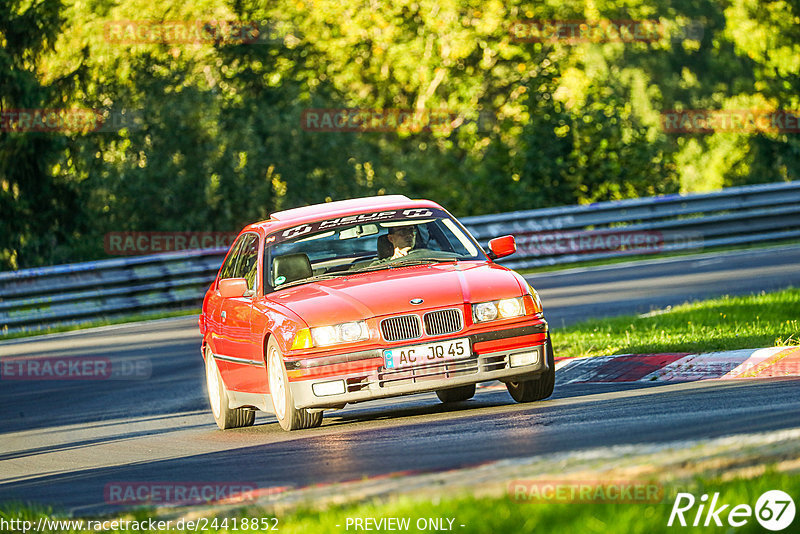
[681, 367]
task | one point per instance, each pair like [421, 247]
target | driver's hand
[400, 252]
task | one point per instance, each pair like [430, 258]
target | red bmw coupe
[344, 302]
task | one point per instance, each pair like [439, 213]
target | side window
[226, 271]
[247, 264]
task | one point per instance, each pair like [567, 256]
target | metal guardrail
[34, 299]
[733, 216]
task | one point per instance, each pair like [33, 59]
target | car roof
[340, 205]
[340, 208]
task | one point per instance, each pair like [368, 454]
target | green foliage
[37, 207]
[212, 135]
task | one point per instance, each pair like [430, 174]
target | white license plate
[427, 353]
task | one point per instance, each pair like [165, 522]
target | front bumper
[365, 377]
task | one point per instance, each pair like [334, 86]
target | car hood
[389, 291]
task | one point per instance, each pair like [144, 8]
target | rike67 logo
[774, 511]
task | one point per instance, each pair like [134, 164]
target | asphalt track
[62, 443]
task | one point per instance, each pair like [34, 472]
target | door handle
[223, 314]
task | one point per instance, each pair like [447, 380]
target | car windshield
[337, 247]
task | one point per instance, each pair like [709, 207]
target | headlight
[485, 311]
[340, 333]
[510, 307]
[498, 309]
[324, 335]
[350, 332]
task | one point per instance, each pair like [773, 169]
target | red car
[344, 302]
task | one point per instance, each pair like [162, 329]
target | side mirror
[232, 287]
[500, 247]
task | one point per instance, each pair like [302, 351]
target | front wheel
[289, 417]
[218, 399]
[538, 388]
[458, 394]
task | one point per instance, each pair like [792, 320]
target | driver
[403, 238]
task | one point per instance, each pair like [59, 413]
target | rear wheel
[218, 399]
[289, 417]
[538, 388]
[457, 394]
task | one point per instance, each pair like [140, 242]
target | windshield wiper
[317, 278]
[402, 263]
[419, 261]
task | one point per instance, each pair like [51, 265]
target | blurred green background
[212, 137]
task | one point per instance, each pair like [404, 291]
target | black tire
[458, 394]
[538, 388]
[289, 417]
[225, 416]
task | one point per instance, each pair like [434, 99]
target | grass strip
[725, 323]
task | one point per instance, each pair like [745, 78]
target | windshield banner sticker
[338, 222]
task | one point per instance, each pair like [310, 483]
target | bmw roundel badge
[416, 301]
